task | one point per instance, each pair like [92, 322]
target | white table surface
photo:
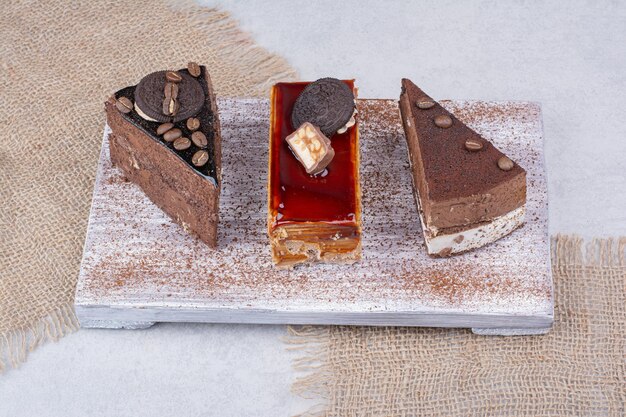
[571, 58]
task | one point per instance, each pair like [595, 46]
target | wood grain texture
[139, 267]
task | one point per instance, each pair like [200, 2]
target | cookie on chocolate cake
[468, 193]
[166, 139]
[327, 103]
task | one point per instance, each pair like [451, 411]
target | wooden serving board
[139, 267]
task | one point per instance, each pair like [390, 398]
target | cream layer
[464, 240]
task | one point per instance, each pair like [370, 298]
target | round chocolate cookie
[328, 103]
[149, 96]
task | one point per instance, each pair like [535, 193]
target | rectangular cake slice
[468, 193]
[311, 218]
[175, 160]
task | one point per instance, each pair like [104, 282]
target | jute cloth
[59, 60]
[578, 369]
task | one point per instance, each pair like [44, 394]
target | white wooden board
[139, 267]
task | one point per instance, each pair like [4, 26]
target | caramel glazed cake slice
[468, 193]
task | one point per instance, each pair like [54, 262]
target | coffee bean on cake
[473, 145]
[194, 69]
[443, 120]
[171, 90]
[200, 158]
[173, 76]
[424, 103]
[164, 128]
[170, 106]
[151, 92]
[327, 103]
[124, 105]
[181, 144]
[505, 164]
[199, 139]
[193, 123]
[172, 135]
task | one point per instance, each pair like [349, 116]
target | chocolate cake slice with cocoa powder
[166, 139]
[468, 193]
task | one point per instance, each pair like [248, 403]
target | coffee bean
[193, 123]
[181, 144]
[172, 135]
[200, 158]
[199, 139]
[174, 106]
[124, 104]
[505, 164]
[170, 106]
[194, 69]
[171, 90]
[443, 120]
[173, 77]
[164, 128]
[473, 145]
[424, 103]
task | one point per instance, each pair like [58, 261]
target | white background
[570, 56]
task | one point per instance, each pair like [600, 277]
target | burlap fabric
[59, 62]
[578, 369]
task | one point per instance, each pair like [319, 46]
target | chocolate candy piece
[150, 97]
[311, 148]
[327, 103]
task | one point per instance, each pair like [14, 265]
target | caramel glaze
[295, 197]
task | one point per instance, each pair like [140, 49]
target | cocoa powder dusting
[135, 252]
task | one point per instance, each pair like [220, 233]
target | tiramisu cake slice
[166, 139]
[468, 193]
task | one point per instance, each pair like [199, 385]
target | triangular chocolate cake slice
[468, 193]
[166, 139]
